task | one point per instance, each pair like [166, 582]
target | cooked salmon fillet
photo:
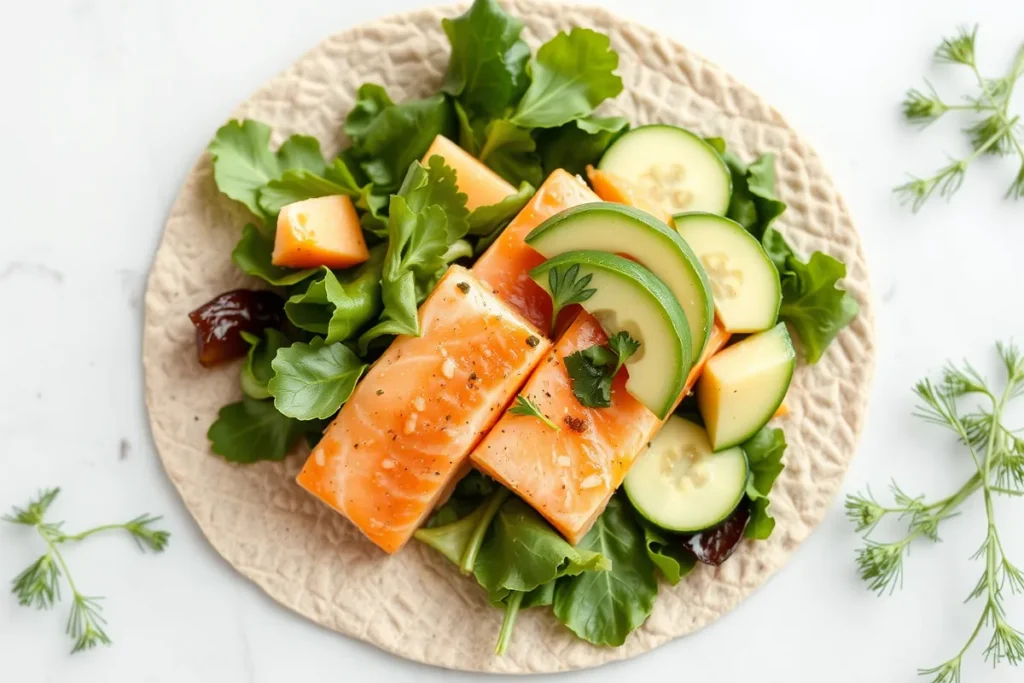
[402, 440]
[506, 264]
[567, 475]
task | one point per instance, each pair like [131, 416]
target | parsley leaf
[579, 143]
[251, 430]
[253, 255]
[311, 381]
[387, 138]
[338, 307]
[592, 370]
[566, 286]
[526, 406]
[487, 69]
[571, 74]
[764, 453]
[256, 372]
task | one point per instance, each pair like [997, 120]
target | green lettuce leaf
[487, 68]
[764, 453]
[311, 381]
[253, 255]
[753, 203]
[571, 75]
[252, 430]
[603, 608]
[420, 222]
[813, 304]
[666, 553]
[460, 539]
[511, 152]
[388, 138]
[339, 306]
[243, 163]
[297, 185]
[256, 372]
[578, 143]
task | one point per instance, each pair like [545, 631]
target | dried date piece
[716, 545]
[220, 321]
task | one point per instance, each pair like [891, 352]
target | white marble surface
[105, 105]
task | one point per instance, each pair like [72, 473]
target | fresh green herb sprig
[567, 287]
[998, 456]
[593, 369]
[525, 406]
[39, 584]
[998, 132]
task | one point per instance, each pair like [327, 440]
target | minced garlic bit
[448, 367]
[387, 464]
[419, 404]
[319, 457]
[563, 461]
[410, 423]
[593, 481]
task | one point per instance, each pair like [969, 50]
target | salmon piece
[402, 441]
[567, 475]
[507, 263]
[482, 186]
[323, 231]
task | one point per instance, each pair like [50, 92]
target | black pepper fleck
[473, 377]
[532, 341]
[380, 392]
[463, 287]
[576, 424]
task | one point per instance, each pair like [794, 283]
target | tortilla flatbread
[415, 604]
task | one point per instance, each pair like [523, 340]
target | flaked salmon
[568, 474]
[401, 441]
[506, 264]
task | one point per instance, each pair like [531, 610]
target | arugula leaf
[297, 185]
[251, 430]
[489, 221]
[387, 139]
[605, 607]
[487, 69]
[667, 553]
[812, 303]
[593, 369]
[764, 453]
[253, 255]
[579, 143]
[523, 552]
[572, 73]
[243, 163]
[256, 372]
[420, 222]
[311, 381]
[511, 152]
[339, 307]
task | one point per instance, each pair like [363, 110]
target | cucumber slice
[672, 167]
[628, 297]
[744, 281]
[620, 229]
[742, 386]
[681, 484]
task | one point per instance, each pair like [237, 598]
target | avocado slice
[625, 296]
[742, 386]
[620, 229]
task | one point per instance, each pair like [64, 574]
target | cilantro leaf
[253, 255]
[311, 381]
[812, 303]
[571, 74]
[579, 143]
[251, 430]
[603, 608]
[510, 151]
[256, 372]
[338, 307]
[764, 453]
[388, 138]
[420, 224]
[592, 370]
[487, 69]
